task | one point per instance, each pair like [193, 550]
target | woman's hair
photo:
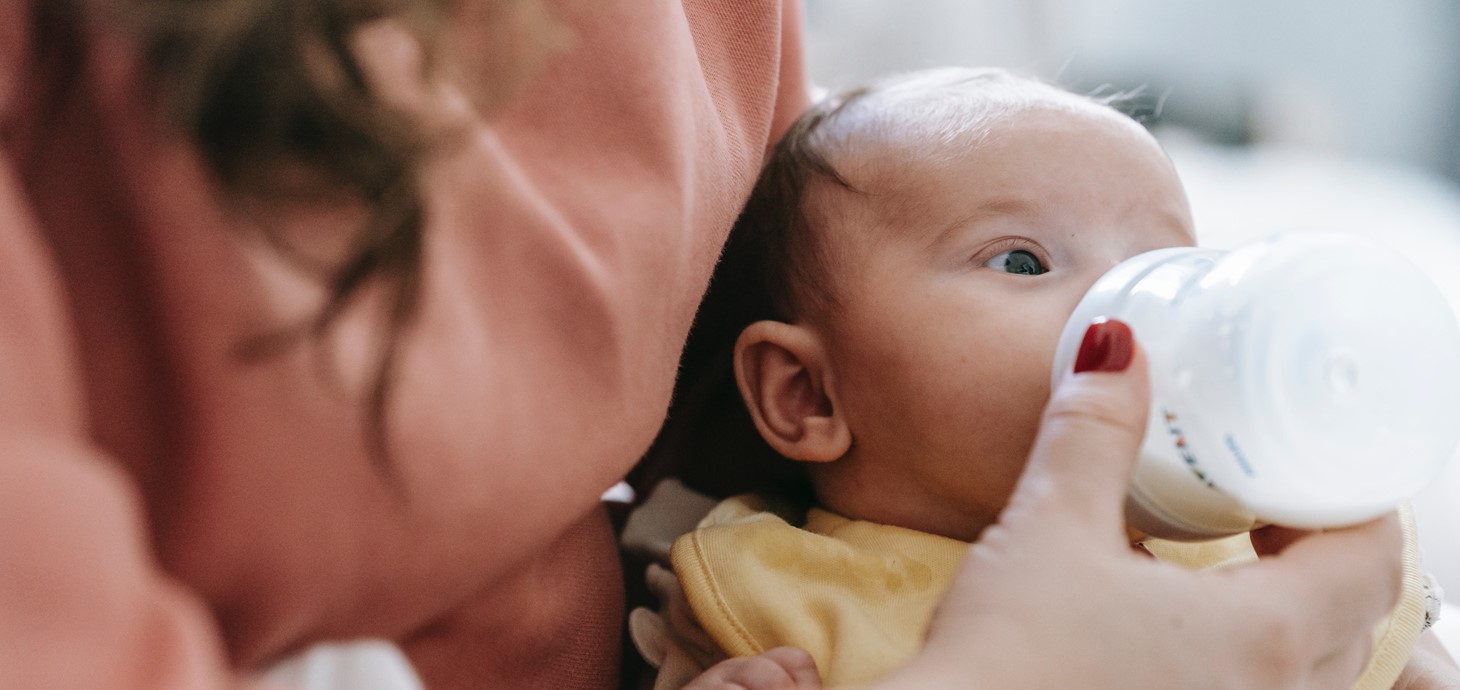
[279, 107]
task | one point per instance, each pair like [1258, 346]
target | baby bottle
[1306, 380]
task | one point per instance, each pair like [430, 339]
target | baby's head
[923, 242]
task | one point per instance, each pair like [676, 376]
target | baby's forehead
[901, 155]
[881, 140]
[939, 108]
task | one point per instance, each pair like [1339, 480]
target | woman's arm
[85, 606]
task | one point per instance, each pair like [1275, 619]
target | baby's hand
[782, 668]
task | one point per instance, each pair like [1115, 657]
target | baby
[918, 246]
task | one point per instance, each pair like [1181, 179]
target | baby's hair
[772, 238]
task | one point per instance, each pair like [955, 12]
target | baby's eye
[1018, 262]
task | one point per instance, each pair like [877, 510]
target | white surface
[1367, 78]
[362, 665]
[619, 493]
[1448, 629]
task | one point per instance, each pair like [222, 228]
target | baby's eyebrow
[999, 208]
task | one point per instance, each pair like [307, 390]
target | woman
[333, 318]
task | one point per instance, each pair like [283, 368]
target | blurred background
[1379, 81]
[1333, 115]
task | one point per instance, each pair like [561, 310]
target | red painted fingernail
[1108, 346]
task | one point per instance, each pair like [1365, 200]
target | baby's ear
[786, 381]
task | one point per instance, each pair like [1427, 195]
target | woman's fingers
[1342, 668]
[1331, 605]
[1329, 609]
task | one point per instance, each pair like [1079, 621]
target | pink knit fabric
[168, 513]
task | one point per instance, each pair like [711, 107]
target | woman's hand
[782, 668]
[1052, 595]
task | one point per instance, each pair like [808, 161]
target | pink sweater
[168, 513]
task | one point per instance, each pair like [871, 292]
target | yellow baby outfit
[858, 595]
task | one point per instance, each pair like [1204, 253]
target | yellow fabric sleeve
[856, 595]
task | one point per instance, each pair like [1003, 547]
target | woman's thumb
[1090, 435]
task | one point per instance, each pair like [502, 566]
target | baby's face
[954, 279]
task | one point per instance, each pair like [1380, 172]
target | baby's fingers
[782, 668]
